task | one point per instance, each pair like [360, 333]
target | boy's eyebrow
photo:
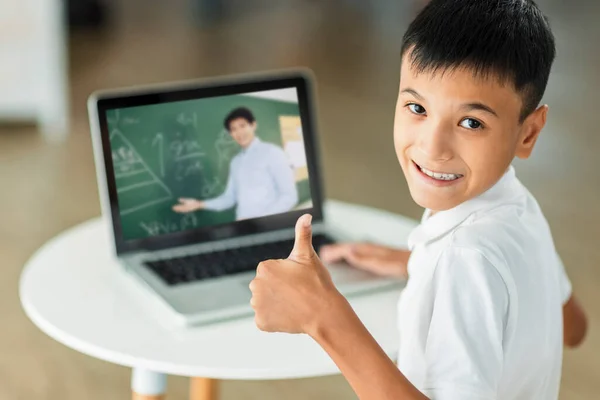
[413, 92]
[480, 107]
[468, 106]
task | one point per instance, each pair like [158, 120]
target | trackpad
[344, 274]
[216, 295]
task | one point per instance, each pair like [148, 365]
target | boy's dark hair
[240, 112]
[509, 39]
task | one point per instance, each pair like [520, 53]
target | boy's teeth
[440, 176]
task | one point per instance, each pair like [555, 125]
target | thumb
[303, 244]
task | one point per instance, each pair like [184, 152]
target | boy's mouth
[440, 176]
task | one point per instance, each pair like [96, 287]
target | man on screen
[261, 180]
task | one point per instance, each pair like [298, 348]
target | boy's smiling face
[455, 135]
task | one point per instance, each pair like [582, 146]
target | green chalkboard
[166, 151]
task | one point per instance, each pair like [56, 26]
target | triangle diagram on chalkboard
[138, 186]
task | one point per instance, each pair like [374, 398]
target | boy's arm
[375, 258]
[370, 372]
[464, 342]
[574, 323]
[574, 318]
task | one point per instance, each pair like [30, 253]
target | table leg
[137, 396]
[204, 389]
[148, 385]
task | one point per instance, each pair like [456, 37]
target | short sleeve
[566, 290]
[464, 350]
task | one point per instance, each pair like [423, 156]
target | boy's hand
[188, 205]
[380, 260]
[295, 295]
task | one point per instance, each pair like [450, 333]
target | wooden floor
[354, 54]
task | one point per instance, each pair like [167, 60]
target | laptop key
[197, 267]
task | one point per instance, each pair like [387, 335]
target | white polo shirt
[481, 315]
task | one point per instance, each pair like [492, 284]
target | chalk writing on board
[225, 147]
[212, 187]
[184, 152]
[117, 119]
[186, 148]
[113, 120]
[187, 168]
[161, 227]
[184, 118]
[132, 173]
[187, 155]
[130, 121]
[159, 141]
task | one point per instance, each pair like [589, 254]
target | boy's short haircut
[240, 112]
[509, 39]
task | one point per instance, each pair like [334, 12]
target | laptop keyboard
[197, 267]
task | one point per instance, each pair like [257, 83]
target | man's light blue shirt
[261, 182]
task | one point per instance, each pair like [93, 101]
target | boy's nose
[434, 143]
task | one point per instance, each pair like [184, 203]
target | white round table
[74, 290]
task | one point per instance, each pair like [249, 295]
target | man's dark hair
[240, 112]
[508, 39]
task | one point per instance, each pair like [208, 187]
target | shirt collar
[253, 144]
[443, 222]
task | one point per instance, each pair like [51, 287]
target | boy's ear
[530, 131]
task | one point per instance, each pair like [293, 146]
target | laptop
[200, 181]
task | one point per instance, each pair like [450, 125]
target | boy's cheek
[399, 144]
[486, 166]
[402, 156]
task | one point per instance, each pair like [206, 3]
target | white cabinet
[33, 65]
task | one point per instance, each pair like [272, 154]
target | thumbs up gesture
[294, 295]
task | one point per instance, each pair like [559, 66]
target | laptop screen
[202, 163]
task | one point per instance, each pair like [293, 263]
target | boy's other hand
[294, 295]
[374, 258]
[188, 205]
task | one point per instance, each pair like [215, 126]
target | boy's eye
[470, 123]
[416, 108]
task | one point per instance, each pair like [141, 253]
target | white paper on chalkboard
[295, 152]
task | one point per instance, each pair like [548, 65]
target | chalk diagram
[139, 187]
[156, 228]
[132, 175]
[225, 148]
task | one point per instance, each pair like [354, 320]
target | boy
[481, 316]
[261, 180]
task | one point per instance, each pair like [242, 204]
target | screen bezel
[303, 85]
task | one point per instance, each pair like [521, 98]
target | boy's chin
[433, 203]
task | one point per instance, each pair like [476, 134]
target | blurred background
[53, 54]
